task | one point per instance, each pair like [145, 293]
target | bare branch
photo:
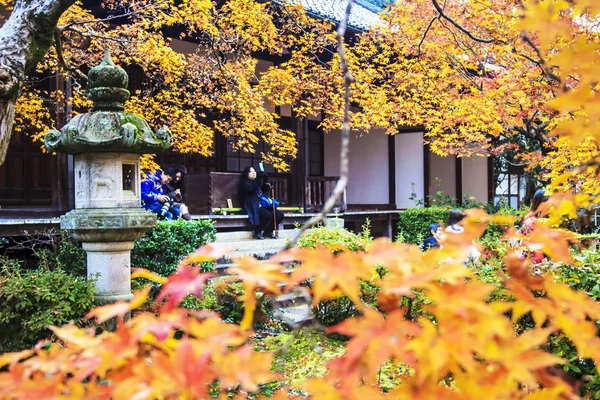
[549, 75]
[425, 34]
[98, 36]
[440, 10]
[343, 181]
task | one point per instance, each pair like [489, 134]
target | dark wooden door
[27, 177]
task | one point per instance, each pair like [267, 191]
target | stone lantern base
[108, 235]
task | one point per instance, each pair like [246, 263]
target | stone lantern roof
[107, 128]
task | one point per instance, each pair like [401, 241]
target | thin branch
[549, 75]
[425, 34]
[98, 36]
[440, 10]
[61, 57]
[343, 181]
[113, 17]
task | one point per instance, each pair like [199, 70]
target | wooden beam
[426, 173]
[392, 168]
[458, 179]
[490, 166]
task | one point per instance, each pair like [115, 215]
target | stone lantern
[106, 144]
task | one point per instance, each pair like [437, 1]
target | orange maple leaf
[120, 308]
[375, 340]
[255, 274]
[232, 368]
[187, 280]
[333, 275]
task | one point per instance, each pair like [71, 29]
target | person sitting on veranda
[268, 206]
[249, 189]
[178, 182]
[154, 197]
[433, 240]
[176, 192]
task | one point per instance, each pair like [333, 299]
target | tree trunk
[24, 40]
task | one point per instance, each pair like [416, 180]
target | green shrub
[337, 238]
[32, 300]
[334, 311]
[70, 255]
[413, 224]
[228, 291]
[163, 246]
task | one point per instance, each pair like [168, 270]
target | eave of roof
[361, 17]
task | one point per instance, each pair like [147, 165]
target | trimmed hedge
[32, 300]
[413, 224]
[163, 246]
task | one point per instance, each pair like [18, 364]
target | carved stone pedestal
[110, 264]
[108, 235]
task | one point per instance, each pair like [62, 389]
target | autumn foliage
[464, 346]
[489, 72]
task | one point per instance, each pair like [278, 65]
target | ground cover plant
[32, 300]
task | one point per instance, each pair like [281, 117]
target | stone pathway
[293, 308]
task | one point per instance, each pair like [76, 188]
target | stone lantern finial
[107, 85]
[108, 128]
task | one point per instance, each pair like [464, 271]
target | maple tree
[464, 71]
[464, 346]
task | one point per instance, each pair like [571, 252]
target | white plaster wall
[368, 182]
[475, 177]
[443, 168]
[409, 168]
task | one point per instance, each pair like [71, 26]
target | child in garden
[433, 240]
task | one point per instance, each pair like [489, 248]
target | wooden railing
[280, 185]
[318, 190]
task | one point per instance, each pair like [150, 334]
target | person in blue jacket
[433, 240]
[154, 197]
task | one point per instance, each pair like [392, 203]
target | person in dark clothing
[432, 241]
[178, 182]
[176, 192]
[249, 190]
[268, 206]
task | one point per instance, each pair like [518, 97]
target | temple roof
[363, 15]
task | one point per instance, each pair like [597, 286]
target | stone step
[221, 269]
[253, 244]
[225, 237]
[260, 249]
[294, 298]
[295, 316]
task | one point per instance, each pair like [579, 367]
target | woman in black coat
[249, 189]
